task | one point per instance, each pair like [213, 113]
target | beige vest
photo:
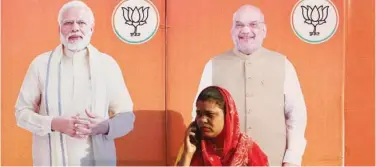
[256, 83]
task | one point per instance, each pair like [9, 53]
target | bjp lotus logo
[135, 17]
[315, 16]
[135, 21]
[314, 21]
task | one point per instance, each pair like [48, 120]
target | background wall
[359, 91]
[337, 77]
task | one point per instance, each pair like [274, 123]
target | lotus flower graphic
[135, 17]
[315, 16]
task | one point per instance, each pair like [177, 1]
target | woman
[218, 140]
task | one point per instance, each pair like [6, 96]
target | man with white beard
[74, 99]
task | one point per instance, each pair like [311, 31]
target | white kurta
[76, 96]
[75, 99]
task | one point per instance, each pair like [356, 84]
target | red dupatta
[238, 149]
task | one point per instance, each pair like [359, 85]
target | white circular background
[123, 31]
[302, 30]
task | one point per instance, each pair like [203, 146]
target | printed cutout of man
[265, 87]
[74, 99]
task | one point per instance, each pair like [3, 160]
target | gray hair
[75, 3]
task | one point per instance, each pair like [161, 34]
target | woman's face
[210, 118]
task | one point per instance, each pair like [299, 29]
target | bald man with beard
[265, 87]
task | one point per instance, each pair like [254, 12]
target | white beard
[78, 45]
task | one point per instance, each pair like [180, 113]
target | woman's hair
[212, 93]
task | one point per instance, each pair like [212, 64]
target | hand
[189, 148]
[94, 125]
[81, 126]
[289, 164]
[65, 125]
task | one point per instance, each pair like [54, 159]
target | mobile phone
[196, 140]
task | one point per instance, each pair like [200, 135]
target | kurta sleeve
[28, 103]
[296, 117]
[120, 104]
